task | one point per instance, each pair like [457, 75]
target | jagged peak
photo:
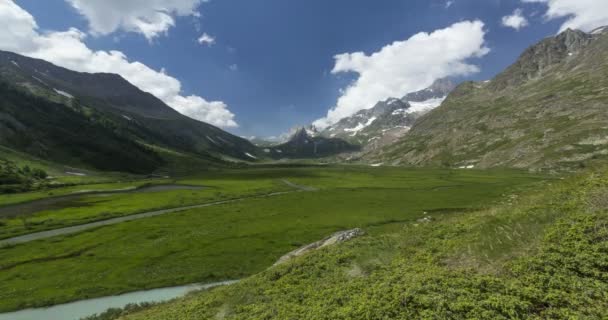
[303, 133]
[537, 59]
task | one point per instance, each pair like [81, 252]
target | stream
[84, 308]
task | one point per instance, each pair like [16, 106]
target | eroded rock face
[338, 237]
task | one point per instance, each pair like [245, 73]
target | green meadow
[538, 254]
[101, 206]
[232, 240]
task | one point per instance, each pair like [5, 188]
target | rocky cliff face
[538, 60]
[548, 110]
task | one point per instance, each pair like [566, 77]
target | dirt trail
[86, 226]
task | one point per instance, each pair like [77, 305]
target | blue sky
[271, 60]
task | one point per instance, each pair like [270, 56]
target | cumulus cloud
[148, 17]
[515, 20]
[585, 15]
[206, 39]
[68, 50]
[406, 66]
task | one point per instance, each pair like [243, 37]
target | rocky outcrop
[335, 238]
[439, 89]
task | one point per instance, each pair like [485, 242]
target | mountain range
[388, 120]
[547, 110]
[89, 119]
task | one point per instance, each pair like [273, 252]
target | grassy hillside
[123, 107]
[70, 136]
[548, 110]
[233, 240]
[539, 256]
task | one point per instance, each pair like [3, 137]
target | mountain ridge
[524, 117]
[133, 113]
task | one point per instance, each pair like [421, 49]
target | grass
[236, 240]
[541, 255]
[90, 208]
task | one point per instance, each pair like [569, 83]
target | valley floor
[230, 240]
[539, 255]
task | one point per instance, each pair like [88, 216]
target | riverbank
[85, 308]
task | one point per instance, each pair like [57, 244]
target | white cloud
[233, 67]
[449, 3]
[68, 50]
[206, 39]
[406, 66]
[585, 15]
[148, 17]
[516, 20]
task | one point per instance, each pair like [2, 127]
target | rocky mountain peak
[538, 59]
[439, 89]
[300, 136]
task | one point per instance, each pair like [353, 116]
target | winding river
[84, 308]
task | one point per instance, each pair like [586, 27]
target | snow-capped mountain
[370, 123]
[388, 120]
[438, 90]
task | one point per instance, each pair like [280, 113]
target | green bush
[15, 179]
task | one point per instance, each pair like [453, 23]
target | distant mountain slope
[549, 109]
[368, 125]
[138, 114]
[388, 120]
[50, 130]
[438, 90]
[303, 145]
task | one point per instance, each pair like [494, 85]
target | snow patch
[599, 30]
[399, 111]
[15, 63]
[360, 126]
[127, 117]
[467, 167]
[425, 105]
[311, 132]
[63, 93]
[38, 79]
[377, 164]
[250, 155]
[267, 150]
[391, 101]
